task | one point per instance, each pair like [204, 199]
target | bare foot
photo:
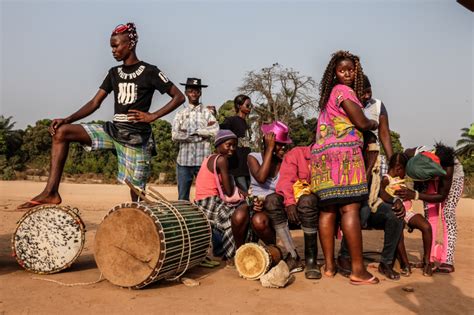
[330, 269]
[363, 277]
[41, 199]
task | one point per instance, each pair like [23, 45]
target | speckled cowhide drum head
[48, 239]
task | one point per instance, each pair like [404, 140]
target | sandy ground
[221, 290]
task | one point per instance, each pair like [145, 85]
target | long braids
[329, 79]
[129, 29]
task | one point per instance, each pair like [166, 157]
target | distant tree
[302, 131]
[279, 93]
[167, 150]
[226, 110]
[37, 144]
[10, 140]
[396, 143]
[465, 144]
[11, 156]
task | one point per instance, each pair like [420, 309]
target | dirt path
[221, 290]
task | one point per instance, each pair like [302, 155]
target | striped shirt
[193, 128]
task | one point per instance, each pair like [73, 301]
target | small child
[394, 180]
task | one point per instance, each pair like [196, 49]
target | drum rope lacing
[71, 284]
[180, 221]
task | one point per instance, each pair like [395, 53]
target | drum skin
[137, 243]
[253, 260]
[48, 239]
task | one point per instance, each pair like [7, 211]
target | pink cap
[279, 129]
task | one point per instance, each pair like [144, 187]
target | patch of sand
[221, 290]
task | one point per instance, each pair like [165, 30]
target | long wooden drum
[140, 243]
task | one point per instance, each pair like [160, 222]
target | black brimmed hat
[193, 82]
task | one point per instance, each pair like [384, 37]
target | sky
[418, 54]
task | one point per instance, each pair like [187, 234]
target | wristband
[417, 195]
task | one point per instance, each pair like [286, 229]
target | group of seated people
[338, 181]
[280, 196]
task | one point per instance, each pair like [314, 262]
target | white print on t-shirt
[133, 75]
[163, 77]
[127, 93]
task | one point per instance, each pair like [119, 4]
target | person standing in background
[193, 128]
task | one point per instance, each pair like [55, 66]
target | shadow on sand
[428, 299]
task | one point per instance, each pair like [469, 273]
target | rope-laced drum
[253, 260]
[48, 238]
[140, 243]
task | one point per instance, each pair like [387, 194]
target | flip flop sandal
[405, 272]
[373, 280]
[209, 261]
[206, 265]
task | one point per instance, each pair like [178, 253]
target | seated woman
[214, 184]
[264, 171]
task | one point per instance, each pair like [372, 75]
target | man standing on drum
[129, 134]
[193, 128]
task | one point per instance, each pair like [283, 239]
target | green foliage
[165, 161]
[396, 143]
[11, 156]
[226, 110]
[37, 144]
[465, 144]
[302, 131]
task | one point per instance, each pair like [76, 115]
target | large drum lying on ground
[139, 243]
[48, 239]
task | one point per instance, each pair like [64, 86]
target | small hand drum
[253, 260]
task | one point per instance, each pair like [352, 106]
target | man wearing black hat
[193, 128]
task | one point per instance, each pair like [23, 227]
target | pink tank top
[205, 182]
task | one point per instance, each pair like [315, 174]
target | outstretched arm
[84, 111]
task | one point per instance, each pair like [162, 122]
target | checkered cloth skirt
[134, 163]
[219, 214]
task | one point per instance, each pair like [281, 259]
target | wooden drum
[253, 260]
[140, 243]
[48, 238]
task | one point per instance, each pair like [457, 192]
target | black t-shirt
[238, 163]
[133, 88]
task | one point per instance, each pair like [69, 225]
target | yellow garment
[374, 200]
[300, 188]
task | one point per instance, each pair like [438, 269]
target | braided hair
[329, 79]
[127, 29]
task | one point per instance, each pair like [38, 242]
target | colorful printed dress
[337, 165]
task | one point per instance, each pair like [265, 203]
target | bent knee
[260, 221]
[273, 201]
[240, 216]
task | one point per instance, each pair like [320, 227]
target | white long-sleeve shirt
[193, 128]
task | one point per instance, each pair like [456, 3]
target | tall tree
[279, 93]
[226, 110]
[465, 144]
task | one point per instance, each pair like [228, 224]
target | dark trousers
[185, 176]
[306, 208]
[384, 219]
